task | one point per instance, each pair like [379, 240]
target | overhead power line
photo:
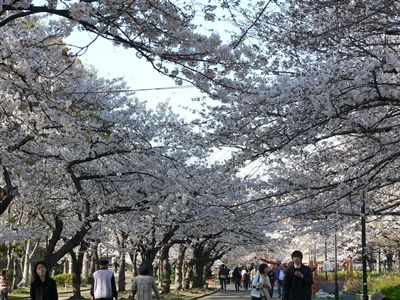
[136, 90]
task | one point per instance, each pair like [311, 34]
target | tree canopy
[303, 92]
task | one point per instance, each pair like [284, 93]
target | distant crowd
[242, 277]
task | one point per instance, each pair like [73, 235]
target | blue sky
[111, 61]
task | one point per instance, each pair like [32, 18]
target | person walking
[261, 284]
[298, 279]
[280, 275]
[245, 279]
[103, 287]
[236, 278]
[223, 275]
[144, 284]
[271, 277]
[43, 287]
[4, 285]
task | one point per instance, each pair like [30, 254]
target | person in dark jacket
[271, 276]
[223, 275]
[43, 287]
[236, 278]
[298, 280]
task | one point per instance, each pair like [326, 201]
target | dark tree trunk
[165, 271]
[120, 268]
[7, 193]
[149, 256]
[188, 277]
[77, 262]
[179, 267]
[198, 273]
[204, 252]
[121, 273]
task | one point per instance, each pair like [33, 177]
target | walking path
[231, 293]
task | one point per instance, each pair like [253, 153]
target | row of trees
[84, 165]
[309, 99]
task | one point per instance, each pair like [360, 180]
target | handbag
[256, 291]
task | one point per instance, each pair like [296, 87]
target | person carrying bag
[261, 284]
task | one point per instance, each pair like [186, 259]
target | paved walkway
[231, 293]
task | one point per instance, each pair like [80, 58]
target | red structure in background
[271, 262]
[314, 267]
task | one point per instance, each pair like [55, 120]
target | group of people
[104, 287]
[43, 287]
[293, 282]
[241, 279]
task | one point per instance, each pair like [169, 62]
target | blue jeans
[280, 283]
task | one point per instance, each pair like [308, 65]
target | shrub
[353, 285]
[387, 284]
[392, 292]
[331, 275]
[63, 279]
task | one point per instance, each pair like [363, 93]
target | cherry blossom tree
[320, 116]
[69, 141]
[308, 92]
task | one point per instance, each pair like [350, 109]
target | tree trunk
[198, 273]
[165, 274]
[148, 257]
[94, 258]
[179, 267]
[398, 262]
[77, 261]
[378, 262]
[133, 256]
[27, 263]
[17, 273]
[121, 272]
[85, 268]
[121, 240]
[188, 276]
[7, 193]
[10, 258]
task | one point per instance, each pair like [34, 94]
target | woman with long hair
[43, 287]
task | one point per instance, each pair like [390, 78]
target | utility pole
[336, 270]
[326, 258]
[364, 244]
